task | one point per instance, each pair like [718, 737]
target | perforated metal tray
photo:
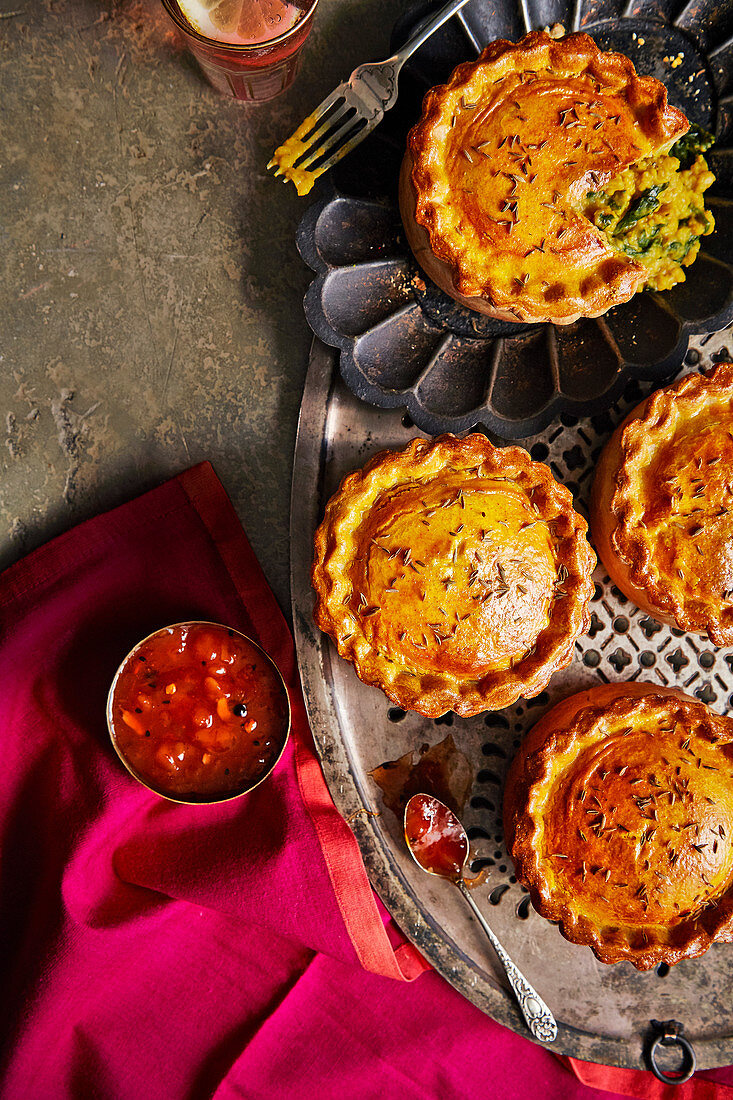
[604, 1012]
[403, 343]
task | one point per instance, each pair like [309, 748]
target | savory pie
[662, 505]
[454, 575]
[547, 181]
[618, 813]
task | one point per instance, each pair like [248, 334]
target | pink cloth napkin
[156, 950]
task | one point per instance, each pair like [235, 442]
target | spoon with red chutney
[438, 843]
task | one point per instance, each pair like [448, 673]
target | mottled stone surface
[150, 289]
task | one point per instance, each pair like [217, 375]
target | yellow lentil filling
[653, 212]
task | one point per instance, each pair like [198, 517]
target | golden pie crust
[618, 812]
[502, 156]
[454, 575]
[662, 505]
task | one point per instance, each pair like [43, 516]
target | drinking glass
[251, 71]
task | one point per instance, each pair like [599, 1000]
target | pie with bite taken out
[662, 505]
[547, 181]
[454, 575]
[618, 813]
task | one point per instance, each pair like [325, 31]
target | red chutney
[198, 712]
[435, 836]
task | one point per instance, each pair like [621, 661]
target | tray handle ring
[669, 1033]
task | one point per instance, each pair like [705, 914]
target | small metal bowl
[193, 799]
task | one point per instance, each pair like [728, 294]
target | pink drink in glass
[255, 54]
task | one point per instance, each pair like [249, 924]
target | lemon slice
[245, 22]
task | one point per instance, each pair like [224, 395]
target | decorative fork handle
[540, 1020]
[430, 27]
[384, 85]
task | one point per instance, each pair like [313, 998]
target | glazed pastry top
[451, 570]
[622, 823]
[504, 156]
[653, 799]
[673, 502]
[475, 593]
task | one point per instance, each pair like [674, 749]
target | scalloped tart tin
[404, 343]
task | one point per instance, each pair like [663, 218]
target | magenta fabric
[150, 949]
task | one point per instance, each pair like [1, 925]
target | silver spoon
[438, 843]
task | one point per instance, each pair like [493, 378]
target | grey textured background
[150, 289]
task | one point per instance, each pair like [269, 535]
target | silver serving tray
[604, 1012]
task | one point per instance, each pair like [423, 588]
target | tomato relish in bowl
[197, 712]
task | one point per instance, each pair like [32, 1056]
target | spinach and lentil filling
[654, 210]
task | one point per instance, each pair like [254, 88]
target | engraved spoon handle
[540, 1020]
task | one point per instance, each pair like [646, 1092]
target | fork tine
[324, 106]
[310, 124]
[345, 148]
[312, 138]
[332, 142]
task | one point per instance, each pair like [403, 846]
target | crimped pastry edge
[628, 552]
[419, 213]
[557, 731]
[495, 690]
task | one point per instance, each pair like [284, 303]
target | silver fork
[349, 113]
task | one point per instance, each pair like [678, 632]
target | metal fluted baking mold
[403, 343]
